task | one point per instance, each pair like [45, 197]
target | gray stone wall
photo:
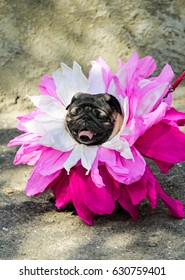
[36, 35]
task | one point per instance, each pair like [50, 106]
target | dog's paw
[68, 208]
[52, 200]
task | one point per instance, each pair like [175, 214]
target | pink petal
[131, 73]
[175, 206]
[166, 75]
[137, 191]
[150, 96]
[150, 182]
[126, 171]
[174, 116]
[164, 166]
[61, 190]
[77, 195]
[37, 183]
[153, 189]
[28, 154]
[26, 118]
[95, 174]
[146, 67]
[48, 87]
[106, 72]
[164, 143]
[118, 87]
[149, 186]
[154, 117]
[52, 161]
[25, 138]
[168, 99]
[118, 82]
[99, 200]
[108, 156]
[126, 203]
[132, 130]
[132, 195]
[146, 98]
[124, 80]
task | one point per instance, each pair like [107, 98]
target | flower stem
[177, 82]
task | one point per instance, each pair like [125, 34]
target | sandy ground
[30, 228]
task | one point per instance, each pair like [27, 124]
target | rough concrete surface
[35, 36]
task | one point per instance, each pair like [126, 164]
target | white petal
[66, 70]
[126, 151]
[79, 80]
[43, 123]
[112, 88]
[120, 145]
[124, 108]
[144, 83]
[121, 76]
[58, 139]
[96, 81]
[70, 81]
[155, 116]
[50, 106]
[150, 99]
[124, 104]
[74, 157]
[65, 90]
[88, 156]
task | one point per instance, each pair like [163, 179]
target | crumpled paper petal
[96, 178]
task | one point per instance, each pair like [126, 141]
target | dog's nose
[86, 118]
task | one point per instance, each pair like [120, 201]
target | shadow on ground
[30, 228]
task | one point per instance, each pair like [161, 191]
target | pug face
[91, 118]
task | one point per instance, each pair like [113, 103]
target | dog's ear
[73, 99]
[113, 102]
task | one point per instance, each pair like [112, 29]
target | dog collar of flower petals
[96, 178]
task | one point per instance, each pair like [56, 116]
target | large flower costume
[95, 178]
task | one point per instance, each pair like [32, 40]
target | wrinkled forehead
[84, 99]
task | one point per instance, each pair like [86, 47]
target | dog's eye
[76, 111]
[99, 114]
[103, 118]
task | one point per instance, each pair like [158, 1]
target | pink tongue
[87, 133]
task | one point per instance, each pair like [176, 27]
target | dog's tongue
[87, 133]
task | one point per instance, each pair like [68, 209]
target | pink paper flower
[94, 178]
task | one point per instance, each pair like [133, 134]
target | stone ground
[35, 36]
[30, 228]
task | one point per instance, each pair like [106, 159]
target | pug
[93, 119]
